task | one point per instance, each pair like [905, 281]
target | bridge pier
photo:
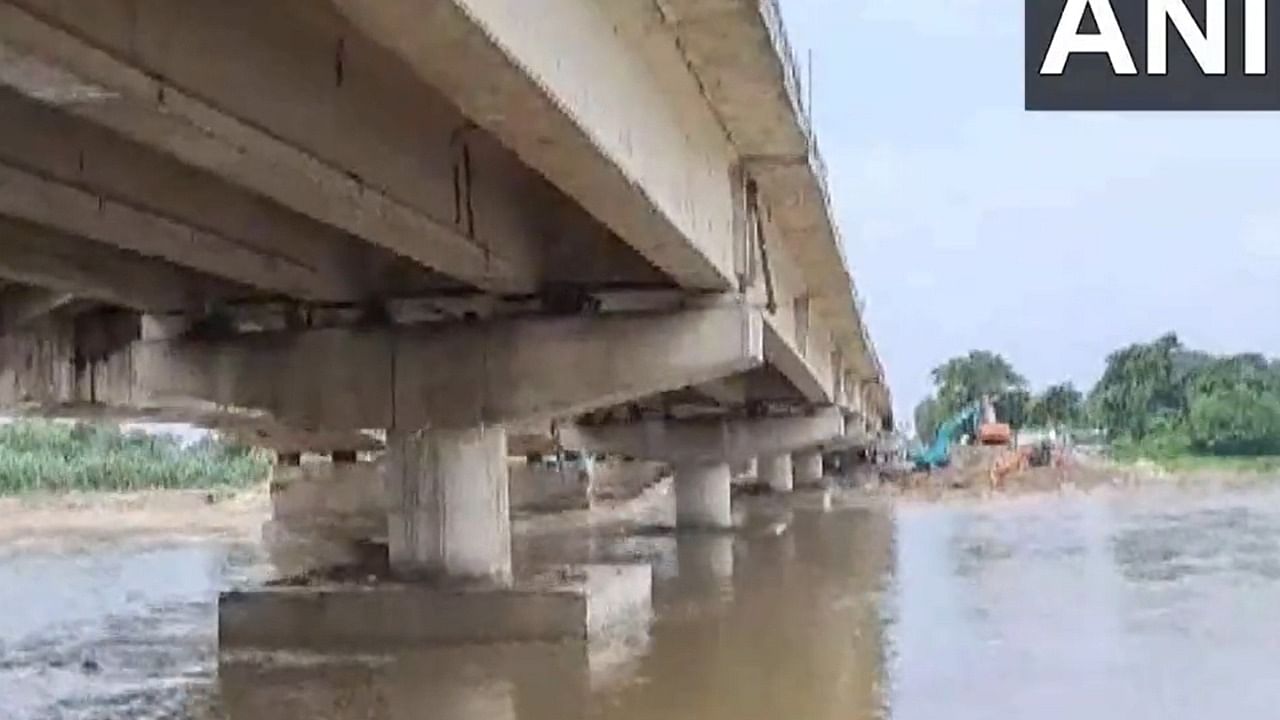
[703, 495]
[776, 472]
[808, 468]
[702, 453]
[449, 516]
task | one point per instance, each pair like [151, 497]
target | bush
[41, 455]
[1235, 421]
[1167, 442]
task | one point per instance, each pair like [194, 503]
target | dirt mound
[970, 472]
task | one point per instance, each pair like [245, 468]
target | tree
[1014, 407]
[1235, 421]
[1140, 385]
[1234, 406]
[927, 417]
[1059, 405]
[967, 379]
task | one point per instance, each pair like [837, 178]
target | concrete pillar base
[578, 603]
[776, 473]
[449, 513]
[808, 469]
[703, 497]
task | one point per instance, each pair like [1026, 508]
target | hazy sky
[1050, 238]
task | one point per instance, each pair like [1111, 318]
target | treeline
[962, 381]
[1160, 395]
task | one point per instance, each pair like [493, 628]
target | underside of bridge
[429, 225]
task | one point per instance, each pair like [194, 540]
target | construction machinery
[938, 454]
[992, 431]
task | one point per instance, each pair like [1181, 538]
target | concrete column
[775, 471]
[702, 495]
[808, 468]
[449, 513]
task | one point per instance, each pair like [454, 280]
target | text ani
[1208, 44]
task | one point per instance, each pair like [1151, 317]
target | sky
[1051, 238]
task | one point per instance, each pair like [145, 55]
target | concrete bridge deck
[436, 222]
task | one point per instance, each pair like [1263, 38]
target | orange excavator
[990, 431]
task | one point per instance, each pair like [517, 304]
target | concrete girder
[21, 305]
[39, 256]
[783, 355]
[64, 148]
[57, 68]
[455, 375]
[692, 442]
[560, 82]
[741, 56]
[73, 211]
[799, 213]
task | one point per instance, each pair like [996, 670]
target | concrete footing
[703, 495]
[579, 603]
[450, 514]
[776, 473]
[808, 469]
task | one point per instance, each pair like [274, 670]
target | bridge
[414, 234]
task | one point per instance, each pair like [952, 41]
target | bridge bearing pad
[586, 603]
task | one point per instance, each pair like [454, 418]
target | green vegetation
[1177, 455]
[1181, 408]
[47, 456]
[1186, 409]
[964, 380]
[961, 381]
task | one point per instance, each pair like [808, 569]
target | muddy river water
[1118, 604]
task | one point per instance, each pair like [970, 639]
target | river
[1156, 603]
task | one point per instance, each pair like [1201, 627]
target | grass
[1178, 456]
[48, 456]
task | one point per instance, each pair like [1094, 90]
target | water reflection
[1123, 605]
[778, 620]
[1153, 604]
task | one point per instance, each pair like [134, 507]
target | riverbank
[1187, 464]
[969, 477]
[70, 520]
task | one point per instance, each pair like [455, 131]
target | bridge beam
[707, 441]
[557, 81]
[58, 68]
[455, 375]
[61, 148]
[21, 305]
[71, 210]
[39, 256]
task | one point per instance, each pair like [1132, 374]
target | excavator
[938, 454]
[979, 419]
